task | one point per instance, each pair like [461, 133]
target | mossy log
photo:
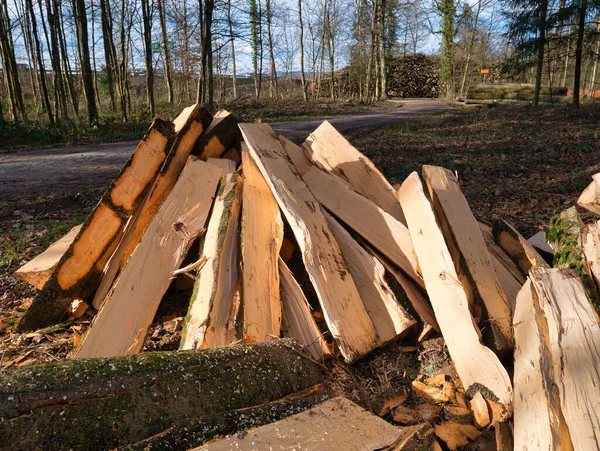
[109, 402]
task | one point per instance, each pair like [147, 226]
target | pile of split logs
[288, 234]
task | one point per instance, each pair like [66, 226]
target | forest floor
[514, 163]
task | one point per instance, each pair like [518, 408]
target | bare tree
[162, 15]
[81, 23]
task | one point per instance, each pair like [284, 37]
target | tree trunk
[256, 46]
[382, 68]
[68, 73]
[470, 50]
[595, 66]
[147, 19]
[162, 15]
[541, 44]
[9, 64]
[232, 43]
[60, 94]
[109, 50]
[273, 78]
[301, 38]
[579, 52]
[81, 23]
[448, 10]
[100, 403]
[41, 72]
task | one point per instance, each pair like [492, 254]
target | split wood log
[390, 319]
[298, 317]
[79, 270]
[208, 323]
[538, 419]
[480, 409]
[499, 257]
[190, 124]
[330, 426]
[262, 236]
[573, 334]
[414, 438]
[455, 434]
[504, 436]
[517, 247]
[331, 151]
[474, 363]
[381, 230]
[590, 243]
[98, 403]
[121, 324]
[38, 271]
[296, 153]
[590, 197]
[469, 252]
[221, 136]
[343, 309]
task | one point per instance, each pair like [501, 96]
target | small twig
[199, 264]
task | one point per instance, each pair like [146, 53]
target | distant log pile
[413, 76]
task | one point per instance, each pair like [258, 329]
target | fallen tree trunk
[105, 403]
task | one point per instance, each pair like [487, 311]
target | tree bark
[447, 70]
[541, 44]
[232, 43]
[147, 19]
[9, 64]
[60, 95]
[470, 49]
[273, 78]
[100, 403]
[81, 23]
[68, 73]
[162, 14]
[301, 38]
[579, 52]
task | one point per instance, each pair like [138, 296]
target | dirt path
[61, 171]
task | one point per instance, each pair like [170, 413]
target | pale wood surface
[386, 234]
[590, 243]
[336, 424]
[574, 339]
[217, 279]
[538, 420]
[221, 136]
[470, 253]
[297, 155]
[38, 270]
[474, 363]
[342, 307]
[499, 255]
[298, 316]
[329, 149]
[121, 325]
[188, 125]
[390, 319]
[517, 247]
[262, 235]
[590, 197]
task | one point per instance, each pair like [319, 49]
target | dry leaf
[76, 340]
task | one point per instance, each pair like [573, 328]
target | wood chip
[456, 434]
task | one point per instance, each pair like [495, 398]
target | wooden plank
[333, 425]
[343, 309]
[469, 252]
[331, 151]
[474, 363]
[590, 243]
[499, 256]
[188, 126]
[206, 324]
[221, 136]
[78, 271]
[121, 324]
[38, 270]
[390, 319]
[538, 419]
[262, 235]
[590, 197]
[381, 230]
[574, 337]
[517, 247]
[297, 155]
[297, 315]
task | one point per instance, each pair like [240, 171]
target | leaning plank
[590, 243]
[499, 256]
[590, 197]
[78, 271]
[221, 136]
[297, 155]
[343, 309]
[38, 270]
[217, 279]
[475, 364]
[538, 420]
[470, 254]
[513, 243]
[188, 125]
[262, 235]
[100, 403]
[573, 335]
[390, 319]
[330, 426]
[386, 234]
[330, 150]
[298, 317]
[121, 325]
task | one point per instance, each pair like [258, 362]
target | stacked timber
[304, 242]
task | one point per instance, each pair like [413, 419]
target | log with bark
[108, 402]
